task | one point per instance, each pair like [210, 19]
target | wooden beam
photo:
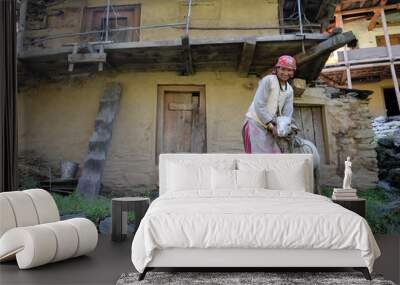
[87, 58]
[326, 46]
[187, 56]
[370, 9]
[377, 14]
[329, 81]
[374, 19]
[347, 3]
[246, 58]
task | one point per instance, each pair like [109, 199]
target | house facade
[183, 87]
[370, 60]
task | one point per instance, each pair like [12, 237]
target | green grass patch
[374, 194]
[95, 209]
[327, 191]
[381, 219]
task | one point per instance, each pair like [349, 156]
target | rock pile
[384, 127]
[388, 150]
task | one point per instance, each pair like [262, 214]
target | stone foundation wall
[350, 134]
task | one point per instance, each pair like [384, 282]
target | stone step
[97, 146]
[107, 107]
[102, 123]
[90, 184]
[96, 156]
[112, 93]
[101, 135]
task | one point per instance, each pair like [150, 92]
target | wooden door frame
[161, 89]
[324, 126]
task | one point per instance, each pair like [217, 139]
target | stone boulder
[396, 138]
[386, 142]
[394, 177]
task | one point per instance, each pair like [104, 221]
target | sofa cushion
[45, 205]
[7, 215]
[37, 245]
[23, 208]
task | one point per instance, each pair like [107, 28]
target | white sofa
[178, 230]
[31, 231]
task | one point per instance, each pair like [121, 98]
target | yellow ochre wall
[57, 119]
[377, 102]
[205, 13]
[367, 38]
[211, 13]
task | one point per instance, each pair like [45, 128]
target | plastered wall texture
[205, 13]
[57, 119]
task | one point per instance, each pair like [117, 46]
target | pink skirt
[257, 139]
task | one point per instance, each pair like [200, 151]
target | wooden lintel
[87, 58]
[187, 56]
[246, 58]
[324, 47]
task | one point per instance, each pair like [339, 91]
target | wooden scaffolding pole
[108, 19]
[339, 23]
[189, 14]
[390, 54]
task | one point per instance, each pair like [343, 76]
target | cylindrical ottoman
[40, 244]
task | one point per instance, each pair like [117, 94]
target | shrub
[95, 209]
[381, 218]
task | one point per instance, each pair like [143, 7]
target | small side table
[356, 205]
[119, 214]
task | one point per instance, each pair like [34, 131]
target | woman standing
[274, 97]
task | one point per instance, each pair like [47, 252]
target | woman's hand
[274, 131]
[272, 128]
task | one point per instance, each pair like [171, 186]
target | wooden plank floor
[110, 260]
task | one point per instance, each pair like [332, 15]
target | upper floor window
[394, 40]
[119, 17]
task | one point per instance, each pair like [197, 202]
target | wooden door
[310, 120]
[181, 120]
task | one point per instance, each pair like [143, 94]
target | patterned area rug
[230, 278]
